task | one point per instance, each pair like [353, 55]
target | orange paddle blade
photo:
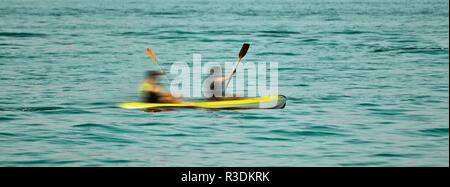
[150, 53]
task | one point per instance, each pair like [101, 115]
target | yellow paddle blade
[151, 55]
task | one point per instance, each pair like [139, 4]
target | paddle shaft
[167, 80]
[241, 55]
[152, 56]
[232, 72]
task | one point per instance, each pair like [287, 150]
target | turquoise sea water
[367, 83]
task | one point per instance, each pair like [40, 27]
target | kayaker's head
[153, 75]
[214, 70]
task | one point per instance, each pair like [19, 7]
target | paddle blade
[244, 50]
[151, 55]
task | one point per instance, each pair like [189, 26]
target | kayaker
[151, 92]
[217, 85]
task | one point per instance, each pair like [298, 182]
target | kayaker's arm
[223, 78]
[229, 76]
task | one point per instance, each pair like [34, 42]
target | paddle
[152, 56]
[242, 53]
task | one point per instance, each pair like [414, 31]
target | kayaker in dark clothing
[151, 92]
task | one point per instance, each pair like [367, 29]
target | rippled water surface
[367, 83]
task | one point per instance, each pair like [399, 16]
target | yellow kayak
[265, 102]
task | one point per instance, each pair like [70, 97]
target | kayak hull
[265, 102]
